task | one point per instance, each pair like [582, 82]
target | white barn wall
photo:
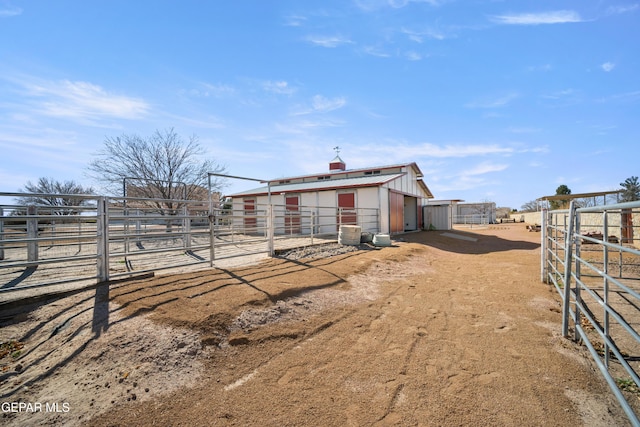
[384, 210]
[326, 211]
[367, 198]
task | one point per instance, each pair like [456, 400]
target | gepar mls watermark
[33, 407]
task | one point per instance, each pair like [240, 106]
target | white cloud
[323, 105]
[419, 36]
[544, 68]
[400, 151]
[452, 151]
[320, 104]
[616, 10]
[413, 56]
[10, 11]
[521, 130]
[492, 115]
[217, 90]
[563, 98]
[205, 121]
[47, 149]
[374, 51]
[562, 94]
[554, 17]
[280, 87]
[370, 5]
[633, 96]
[493, 102]
[484, 168]
[207, 90]
[83, 100]
[328, 41]
[295, 20]
[303, 127]
[608, 66]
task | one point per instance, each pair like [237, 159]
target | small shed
[439, 214]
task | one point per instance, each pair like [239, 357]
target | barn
[396, 193]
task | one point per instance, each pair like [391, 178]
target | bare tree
[530, 206]
[162, 166]
[56, 195]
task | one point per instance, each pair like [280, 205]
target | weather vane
[337, 150]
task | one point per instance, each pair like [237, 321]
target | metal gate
[44, 249]
[591, 256]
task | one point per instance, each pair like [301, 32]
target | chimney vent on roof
[337, 164]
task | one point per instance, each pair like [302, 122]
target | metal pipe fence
[591, 257]
[475, 219]
[108, 238]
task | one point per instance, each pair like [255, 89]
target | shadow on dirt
[464, 242]
[92, 315]
[63, 320]
[24, 275]
[192, 293]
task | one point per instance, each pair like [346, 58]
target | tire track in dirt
[439, 332]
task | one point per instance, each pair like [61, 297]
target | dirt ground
[442, 329]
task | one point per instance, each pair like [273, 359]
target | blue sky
[494, 100]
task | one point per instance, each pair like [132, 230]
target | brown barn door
[396, 212]
[292, 215]
[347, 209]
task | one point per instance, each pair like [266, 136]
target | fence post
[605, 285]
[186, 228]
[138, 228]
[79, 234]
[313, 225]
[102, 236]
[1, 233]
[32, 233]
[568, 250]
[578, 248]
[212, 236]
[270, 230]
[543, 246]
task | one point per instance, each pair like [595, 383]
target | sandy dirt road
[443, 329]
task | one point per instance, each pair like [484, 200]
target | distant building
[475, 213]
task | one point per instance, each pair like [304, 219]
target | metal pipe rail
[580, 268]
[113, 237]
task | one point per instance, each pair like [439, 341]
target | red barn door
[292, 215]
[250, 219]
[347, 209]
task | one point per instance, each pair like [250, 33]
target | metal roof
[413, 165]
[579, 195]
[329, 184]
